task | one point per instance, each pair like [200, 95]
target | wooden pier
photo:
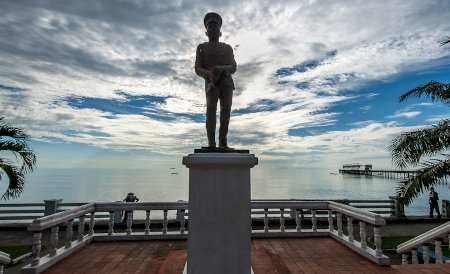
[366, 170]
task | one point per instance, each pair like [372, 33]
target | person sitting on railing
[131, 198]
[433, 200]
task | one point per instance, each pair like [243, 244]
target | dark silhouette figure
[131, 198]
[433, 200]
[215, 63]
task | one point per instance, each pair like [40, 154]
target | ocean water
[171, 184]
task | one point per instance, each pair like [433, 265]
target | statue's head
[213, 22]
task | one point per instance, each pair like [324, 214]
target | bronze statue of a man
[215, 63]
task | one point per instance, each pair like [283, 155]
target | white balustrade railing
[4, 260]
[363, 218]
[312, 218]
[409, 249]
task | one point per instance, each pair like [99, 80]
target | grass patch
[389, 242]
[393, 242]
[15, 250]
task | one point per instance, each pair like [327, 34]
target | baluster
[377, 240]
[69, 233]
[54, 240]
[111, 223]
[350, 228]
[182, 222]
[81, 228]
[330, 221]
[438, 251]
[266, 220]
[414, 259]
[282, 228]
[363, 234]
[129, 222]
[405, 258]
[91, 224]
[339, 224]
[298, 220]
[147, 222]
[426, 254]
[314, 220]
[165, 222]
[36, 249]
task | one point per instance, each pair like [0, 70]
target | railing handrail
[57, 218]
[290, 204]
[119, 206]
[22, 205]
[362, 215]
[5, 258]
[424, 238]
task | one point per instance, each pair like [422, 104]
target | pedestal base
[219, 213]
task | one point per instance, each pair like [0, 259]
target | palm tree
[410, 147]
[15, 140]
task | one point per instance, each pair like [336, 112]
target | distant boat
[174, 172]
[333, 173]
[172, 168]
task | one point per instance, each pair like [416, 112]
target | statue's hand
[216, 73]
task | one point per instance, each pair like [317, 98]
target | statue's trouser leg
[226, 99]
[212, 95]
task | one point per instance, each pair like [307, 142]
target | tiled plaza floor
[277, 255]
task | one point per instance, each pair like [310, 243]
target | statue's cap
[212, 17]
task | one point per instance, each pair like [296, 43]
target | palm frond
[432, 173]
[6, 130]
[16, 180]
[409, 147]
[435, 90]
[23, 150]
[17, 144]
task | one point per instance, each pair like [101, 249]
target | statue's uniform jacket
[210, 55]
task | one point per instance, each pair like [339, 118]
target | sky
[111, 84]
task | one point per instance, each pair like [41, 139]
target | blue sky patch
[260, 106]
[145, 105]
[305, 66]
[378, 101]
[13, 89]
[129, 105]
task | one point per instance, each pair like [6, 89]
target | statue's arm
[231, 68]
[199, 69]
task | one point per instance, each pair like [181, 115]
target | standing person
[131, 198]
[433, 200]
[215, 63]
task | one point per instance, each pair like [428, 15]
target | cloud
[437, 119]
[406, 114]
[292, 69]
[366, 108]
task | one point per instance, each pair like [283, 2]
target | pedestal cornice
[212, 160]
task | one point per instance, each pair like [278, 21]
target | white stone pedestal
[219, 238]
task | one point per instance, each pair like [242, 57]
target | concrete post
[51, 206]
[219, 238]
[180, 215]
[445, 208]
[399, 206]
[118, 216]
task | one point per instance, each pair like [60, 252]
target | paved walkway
[277, 255]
